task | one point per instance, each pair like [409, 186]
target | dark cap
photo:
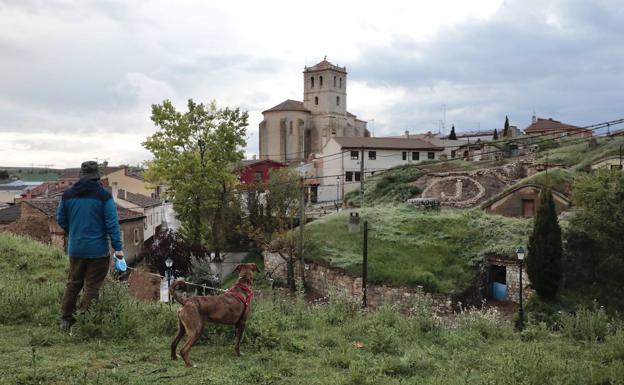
[89, 170]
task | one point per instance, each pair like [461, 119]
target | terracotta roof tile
[545, 125]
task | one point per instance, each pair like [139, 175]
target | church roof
[288, 105]
[325, 65]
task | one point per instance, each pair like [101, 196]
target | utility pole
[620, 156]
[364, 264]
[362, 177]
[301, 225]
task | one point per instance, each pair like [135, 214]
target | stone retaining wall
[324, 279]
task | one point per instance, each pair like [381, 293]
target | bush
[587, 324]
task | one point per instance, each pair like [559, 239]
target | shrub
[587, 324]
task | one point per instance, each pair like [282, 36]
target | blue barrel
[499, 291]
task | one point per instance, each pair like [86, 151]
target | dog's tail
[172, 292]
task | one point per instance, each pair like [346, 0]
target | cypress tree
[506, 129]
[545, 249]
[452, 135]
[495, 136]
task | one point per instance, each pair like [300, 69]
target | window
[415, 155]
[312, 82]
[357, 176]
[453, 154]
[349, 176]
[290, 129]
[340, 82]
[431, 155]
[259, 176]
[316, 100]
[334, 82]
[333, 132]
[136, 236]
[337, 100]
[150, 217]
[372, 155]
[145, 223]
[404, 155]
[320, 81]
[355, 155]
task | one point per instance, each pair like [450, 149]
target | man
[88, 215]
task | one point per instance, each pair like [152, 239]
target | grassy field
[578, 154]
[28, 174]
[287, 341]
[438, 250]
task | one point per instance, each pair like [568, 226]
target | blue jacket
[88, 215]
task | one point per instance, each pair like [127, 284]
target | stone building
[292, 130]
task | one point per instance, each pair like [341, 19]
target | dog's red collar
[234, 293]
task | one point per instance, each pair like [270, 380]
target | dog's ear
[255, 267]
[238, 267]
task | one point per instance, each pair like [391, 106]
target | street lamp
[168, 264]
[520, 323]
[337, 192]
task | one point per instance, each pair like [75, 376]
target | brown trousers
[87, 273]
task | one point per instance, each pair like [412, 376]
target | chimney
[534, 119]
[253, 157]
[407, 134]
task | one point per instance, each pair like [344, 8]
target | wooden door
[528, 208]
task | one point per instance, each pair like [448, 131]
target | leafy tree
[4, 174]
[281, 209]
[170, 244]
[194, 153]
[506, 132]
[597, 227]
[452, 135]
[545, 249]
[495, 136]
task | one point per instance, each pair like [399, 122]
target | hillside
[287, 341]
[438, 250]
[579, 154]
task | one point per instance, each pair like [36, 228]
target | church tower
[325, 89]
[292, 131]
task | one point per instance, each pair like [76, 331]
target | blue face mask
[120, 264]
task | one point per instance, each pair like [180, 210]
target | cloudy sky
[77, 78]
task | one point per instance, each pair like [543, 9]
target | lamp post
[337, 192]
[168, 264]
[520, 323]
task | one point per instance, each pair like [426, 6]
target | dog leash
[185, 282]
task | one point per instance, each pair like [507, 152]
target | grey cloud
[514, 63]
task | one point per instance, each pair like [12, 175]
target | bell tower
[325, 89]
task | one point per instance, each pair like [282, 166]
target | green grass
[393, 185]
[571, 153]
[287, 341]
[438, 250]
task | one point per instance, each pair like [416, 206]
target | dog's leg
[240, 328]
[176, 340]
[189, 316]
[192, 337]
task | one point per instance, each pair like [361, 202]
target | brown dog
[231, 308]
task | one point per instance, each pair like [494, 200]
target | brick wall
[512, 278]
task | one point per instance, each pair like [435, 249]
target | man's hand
[119, 254]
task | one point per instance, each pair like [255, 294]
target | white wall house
[338, 168]
[151, 208]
